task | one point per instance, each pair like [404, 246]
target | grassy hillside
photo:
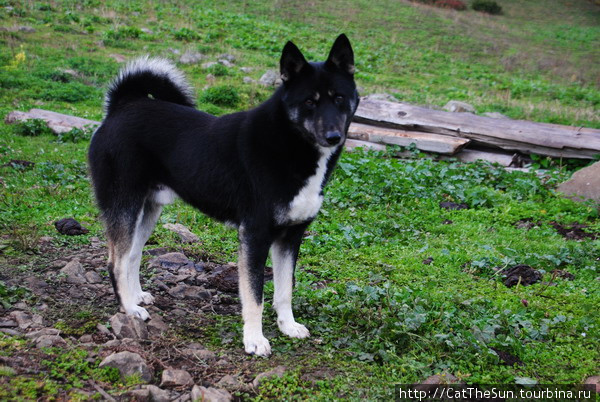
[393, 287]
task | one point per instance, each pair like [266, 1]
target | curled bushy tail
[149, 76]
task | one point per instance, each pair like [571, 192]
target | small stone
[183, 291]
[459, 107]
[170, 261]
[126, 326]
[226, 63]
[156, 325]
[157, 394]
[23, 319]
[138, 395]
[191, 57]
[210, 78]
[270, 78]
[595, 381]
[74, 272]
[26, 29]
[10, 331]
[113, 343]
[248, 80]
[246, 69]
[147, 31]
[86, 338]
[47, 341]
[176, 378]
[210, 394]
[128, 364]
[583, 185]
[226, 56]
[184, 233]
[8, 324]
[276, 372]
[93, 277]
[119, 58]
[228, 381]
[44, 331]
[209, 64]
[103, 330]
[199, 353]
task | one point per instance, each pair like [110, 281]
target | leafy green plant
[222, 95]
[76, 135]
[11, 294]
[32, 128]
[186, 34]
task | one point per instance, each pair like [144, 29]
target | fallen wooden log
[472, 155]
[441, 144]
[353, 144]
[57, 122]
[514, 135]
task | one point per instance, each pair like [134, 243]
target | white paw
[293, 329]
[137, 311]
[146, 298]
[257, 344]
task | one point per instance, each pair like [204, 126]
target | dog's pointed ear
[341, 55]
[292, 61]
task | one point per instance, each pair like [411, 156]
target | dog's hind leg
[143, 229]
[284, 253]
[253, 252]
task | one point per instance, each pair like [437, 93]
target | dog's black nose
[333, 137]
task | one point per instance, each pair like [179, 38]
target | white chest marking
[306, 204]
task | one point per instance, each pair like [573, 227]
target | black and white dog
[262, 170]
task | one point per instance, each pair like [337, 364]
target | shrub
[186, 34]
[33, 128]
[76, 135]
[221, 96]
[451, 4]
[486, 6]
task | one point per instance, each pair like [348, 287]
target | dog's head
[320, 98]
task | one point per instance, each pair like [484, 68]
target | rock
[126, 326]
[225, 278]
[496, 115]
[270, 78]
[595, 381]
[8, 324]
[248, 80]
[47, 341]
[174, 51]
[11, 332]
[437, 379]
[74, 272]
[44, 331]
[147, 31]
[23, 319]
[226, 56]
[523, 274]
[246, 69]
[103, 330]
[87, 338]
[138, 395]
[156, 325]
[276, 372]
[210, 78]
[458, 107]
[183, 232]
[209, 64]
[228, 381]
[70, 227]
[170, 261]
[226, 63]
[35, 283]
[197, 351]
[210, 394]
[583, 185]
[113, 343]
[191, 57]
[128, 364]
[176, 378]
[157, 394]
[93, 277]
[183, 291]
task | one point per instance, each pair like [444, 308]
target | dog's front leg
[253, 251]
[284, 254]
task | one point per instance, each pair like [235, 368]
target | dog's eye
[338, 100]
[310, 103]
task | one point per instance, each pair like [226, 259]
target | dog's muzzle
[333, 137]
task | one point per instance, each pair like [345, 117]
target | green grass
[378, 315]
